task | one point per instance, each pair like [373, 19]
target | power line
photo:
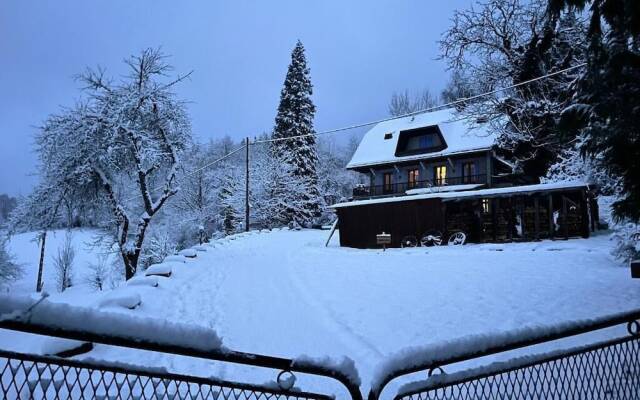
[195, 171]
[425, 110]
[365, 124]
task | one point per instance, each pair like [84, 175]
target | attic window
[420, 141]
[388, 136]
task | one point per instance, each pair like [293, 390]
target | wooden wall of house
[522, 218]
[358, 226]
[555, 215]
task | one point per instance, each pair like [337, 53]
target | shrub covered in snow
[160, 246]
[9, 270]
[63, 263]
[627, 236]
[98, 272]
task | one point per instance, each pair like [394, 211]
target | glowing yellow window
[440, 175]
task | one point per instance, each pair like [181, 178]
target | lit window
[440, 175]
[486, 206]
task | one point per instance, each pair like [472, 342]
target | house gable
[383, 143]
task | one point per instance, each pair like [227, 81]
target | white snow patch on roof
[459, 135]
[493, 192]
[440, 189]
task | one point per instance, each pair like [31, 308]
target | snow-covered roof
[459, 135]
[493, 192]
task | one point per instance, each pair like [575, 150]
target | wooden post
[489, 168]
[511, 219]
[43, 240]
[552, 227]
[444, 220]
[564, 218]
[495, 203]
[536, 205]
[246, 186]
[585, 215]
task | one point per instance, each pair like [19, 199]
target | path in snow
[283, 293]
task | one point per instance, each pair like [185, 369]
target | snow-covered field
[283, 293]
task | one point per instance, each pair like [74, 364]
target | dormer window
[419, 141]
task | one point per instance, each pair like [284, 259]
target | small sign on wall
[383, 239]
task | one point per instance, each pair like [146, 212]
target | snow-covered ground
[283, 293]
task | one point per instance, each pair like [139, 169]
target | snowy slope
[283, 293]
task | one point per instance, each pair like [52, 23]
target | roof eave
[351, 166]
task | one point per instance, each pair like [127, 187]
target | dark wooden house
[435, 173]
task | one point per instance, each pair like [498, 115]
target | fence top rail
[43, 317]
[432, 357]
[441, 380]
[159, 373]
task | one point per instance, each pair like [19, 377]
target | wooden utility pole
[246, 186]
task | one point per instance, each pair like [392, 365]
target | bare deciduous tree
[120, 148]
[404, 103]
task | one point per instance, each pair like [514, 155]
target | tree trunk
[43, 239]
[130, 264]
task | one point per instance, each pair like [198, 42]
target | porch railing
[397, 188]
[608, 369]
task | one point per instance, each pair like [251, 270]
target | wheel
[431, 238]
[409, 241]
[457, 239]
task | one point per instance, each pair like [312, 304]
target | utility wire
[425, 110]
[195, 171]
[364, 124]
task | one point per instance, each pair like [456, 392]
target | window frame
[387, 187]
[466, 177]
[413, 178]
[405, 136]
[439, 179]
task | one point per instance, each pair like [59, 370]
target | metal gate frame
[283, 365]
[25, 364]
[438, 380]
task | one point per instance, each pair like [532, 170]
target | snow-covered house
[437, 173]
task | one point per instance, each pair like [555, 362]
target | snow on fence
[59, 378]
[567, 368]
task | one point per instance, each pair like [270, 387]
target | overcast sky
[359, 53]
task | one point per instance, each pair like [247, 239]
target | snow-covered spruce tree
[295, 118]
[605, 109]
[194, 207]
[276, 192]
[335, 182]
[505, 42]
[117, 146]
[230, 198]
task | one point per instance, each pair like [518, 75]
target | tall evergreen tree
[606, 109]
[293, 121]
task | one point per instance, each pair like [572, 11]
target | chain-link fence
[36, 377]
[606, 371]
